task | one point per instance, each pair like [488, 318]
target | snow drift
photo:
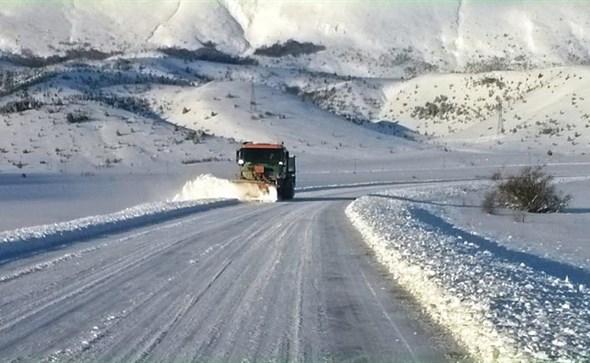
[29, 239]
[500, 306]
[209, 187]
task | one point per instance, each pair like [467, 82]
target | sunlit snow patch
[209, 187]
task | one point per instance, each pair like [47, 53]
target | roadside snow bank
[498, 307]
[209, 187]
[29, 239]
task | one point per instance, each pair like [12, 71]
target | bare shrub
[77, 117]
[532, 191]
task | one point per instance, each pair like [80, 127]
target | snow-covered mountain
[86, 85]
[382, 38]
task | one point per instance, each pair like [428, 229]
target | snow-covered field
[561, 237]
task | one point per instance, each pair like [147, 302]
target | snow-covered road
[283, 281]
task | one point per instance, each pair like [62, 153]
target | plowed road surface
[257, 282]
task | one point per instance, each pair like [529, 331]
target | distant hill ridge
[378, 38]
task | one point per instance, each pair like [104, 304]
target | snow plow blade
[256, 190]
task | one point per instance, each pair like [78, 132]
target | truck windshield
[262, 156]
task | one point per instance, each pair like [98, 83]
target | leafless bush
[532, 191]
[77, 117]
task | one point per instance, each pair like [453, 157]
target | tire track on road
[97, 277]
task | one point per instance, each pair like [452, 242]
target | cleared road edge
[482, 342]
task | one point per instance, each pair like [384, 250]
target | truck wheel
[287, 191]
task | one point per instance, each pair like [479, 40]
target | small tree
[532, 191]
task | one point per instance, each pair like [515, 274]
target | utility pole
[252, 101]
[500, 117]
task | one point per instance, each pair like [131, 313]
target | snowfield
[561, 237]
[503, 305]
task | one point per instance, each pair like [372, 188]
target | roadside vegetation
[532, 190]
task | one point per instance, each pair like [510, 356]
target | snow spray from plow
[209, 187]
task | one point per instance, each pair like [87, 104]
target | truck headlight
[241, 162]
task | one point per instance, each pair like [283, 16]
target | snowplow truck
[267, 165]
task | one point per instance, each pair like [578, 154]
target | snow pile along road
[209, 187]
[496, 305]
[30, 239]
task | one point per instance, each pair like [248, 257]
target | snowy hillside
[225, 109]
[138, 112]
[72, 119]
[547, 108]
[388, 38]
[87, 85]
